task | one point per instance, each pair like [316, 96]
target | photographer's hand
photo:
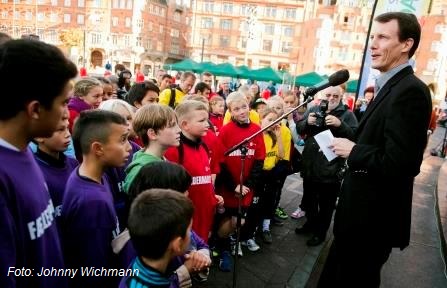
[311, 119]
[331, 120]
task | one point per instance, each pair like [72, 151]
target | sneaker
[239, 250]
[225, 262]
[298, 213]
[279, 212]
[251, 245]
[267, 237]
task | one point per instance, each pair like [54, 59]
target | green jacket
[139, 160]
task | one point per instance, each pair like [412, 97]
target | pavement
[288, 262]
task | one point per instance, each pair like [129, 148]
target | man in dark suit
[374, 209]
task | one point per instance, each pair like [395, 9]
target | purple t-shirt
[28, 234]
[56, 173]
[89, 224]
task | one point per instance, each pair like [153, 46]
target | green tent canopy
[351, 86]
[206, 66]
[184, 65]
[225, 69]
[243, 72]
[265, 74]
[309, 79]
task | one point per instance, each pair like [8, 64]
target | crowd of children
[106, 205]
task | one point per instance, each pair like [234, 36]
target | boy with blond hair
[156, 126]
[193, 155]
[228, 180]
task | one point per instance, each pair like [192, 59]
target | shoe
[251, 245]
[314, 241]
[302, 230]
[277, 221]
[279, 212]
[239, 250]
[298, 213]
[267, 237]
[225, 262]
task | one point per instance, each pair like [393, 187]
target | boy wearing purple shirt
[89, 221]
[29, 241]
[55, 166]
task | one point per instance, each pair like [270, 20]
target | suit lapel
[383, 93]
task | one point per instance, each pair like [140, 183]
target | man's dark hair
[139, 90]
[4, 38]
[55, 70]
[206, 73]
[409, 27]
[201, 86]
[158, 216]
[162, 174]
[122, 79]
[369, 89]
[119, 67]
[94, 125]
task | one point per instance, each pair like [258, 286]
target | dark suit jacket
[376, 195]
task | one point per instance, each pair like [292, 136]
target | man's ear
[408, 44]
[176, 245]
[39, 140]
[33, 109]
[97, 148]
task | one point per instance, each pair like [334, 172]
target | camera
[320, 115]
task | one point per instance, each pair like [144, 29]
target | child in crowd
[259, 105]
[167, 175]
[89, 222]
[275, 152]
[228, 180]
[27, 113]
[87, 95]
[160, 228]
[107, 88]
[202, 89]
[143, 93]
[193, 155]
[283, 167]
[117, 175]
[217, 110]
[156, 126]
[252, 114]
[55, 166]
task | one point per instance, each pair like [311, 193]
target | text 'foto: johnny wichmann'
[88, 272]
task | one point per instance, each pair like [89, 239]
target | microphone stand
[243, 148]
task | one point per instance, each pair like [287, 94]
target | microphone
[335, 79]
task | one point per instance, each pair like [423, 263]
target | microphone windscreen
[339, 77]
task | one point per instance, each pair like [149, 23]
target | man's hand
[342, 147]
[311, 119]
[219, 199]
[331, 120]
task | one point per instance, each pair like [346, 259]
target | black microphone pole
[242, 147]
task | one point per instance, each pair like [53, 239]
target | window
[290, 13]
[244, 43]
[28, 15]
[269, 29]
[80, 19]
[288, 31]
[270, 12]
[161, 29]
[115, 4]
[126, 40]
[159, 46]
[97, 4]
[67, 3]
[129, 4]
[40, 16]
[177, 16]
[81, 3]
[243, 10]
[175, 33]
[208, 6]
[226, 24]
[67, 18]
[286, 47]
[114, 39]
[53, 17]
[267, 45]
[96, 38]
[224, 41]
[140, 23]
[207, 23]
[175, 48]
[150, 26]
[53, 2]
[148, 44]
[162, 12]
[115, 21]
[4, 14]
[16, 14]
[122, 4]
[138, 41]
[128, 22]
[227, 8]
